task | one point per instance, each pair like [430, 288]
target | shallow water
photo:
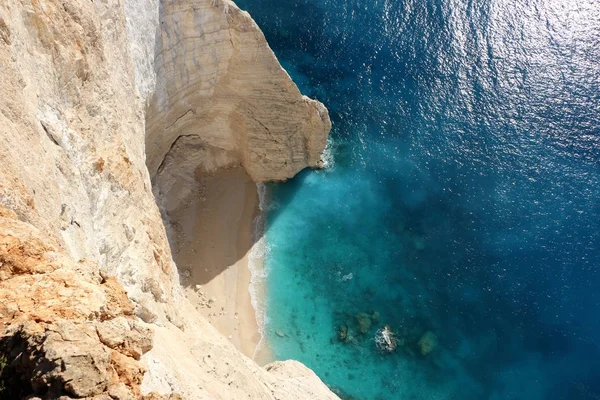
[463, 200]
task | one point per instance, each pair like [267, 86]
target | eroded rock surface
[218, 80]
[58, 322]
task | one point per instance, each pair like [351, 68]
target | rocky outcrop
[218, 80]
[86, 274]
[64, 330]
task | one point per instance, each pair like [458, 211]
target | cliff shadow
[208, 205]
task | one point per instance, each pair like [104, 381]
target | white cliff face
[93, 94]
[141, 18]
[72, 142]
[217, 79]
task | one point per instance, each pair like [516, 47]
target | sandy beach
[213, 241]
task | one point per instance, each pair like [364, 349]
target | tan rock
[129, 371]
[82, 370]
[118, 303]
[127, 336]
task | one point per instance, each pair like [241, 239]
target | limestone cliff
[93, 94]
[218, 80]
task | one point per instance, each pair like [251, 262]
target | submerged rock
[364, 322]
[344, 334]
[375, 316]
[428, 343]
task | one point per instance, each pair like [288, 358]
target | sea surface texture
[461, 206]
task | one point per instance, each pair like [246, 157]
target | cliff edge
[93, 96]
[218, 80]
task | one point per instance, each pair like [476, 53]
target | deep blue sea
[462, 202]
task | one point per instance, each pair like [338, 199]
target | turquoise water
[463, 203]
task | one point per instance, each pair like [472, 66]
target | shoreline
[257, 285]
[219, 251]
[253, 270]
